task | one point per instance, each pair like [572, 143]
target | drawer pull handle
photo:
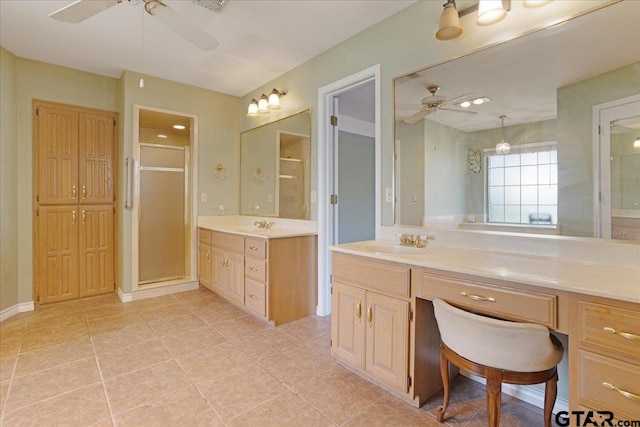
[359, 311]
[370, 315]
[253, 296]
[625, 393]
[253, 248]
[626, 335]
[253, 269]
[477, 297]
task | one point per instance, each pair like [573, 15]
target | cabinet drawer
[497, 301]
[602, 383]
[230, 242]
[376, 275]
[255, 269]
[610, 327]
[255, 297]
[204, 236]
[256, 248]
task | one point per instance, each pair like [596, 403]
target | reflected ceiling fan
[84, 9]
[435, 103]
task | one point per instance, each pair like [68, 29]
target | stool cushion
[500, 344]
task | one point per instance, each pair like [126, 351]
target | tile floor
[192, 359]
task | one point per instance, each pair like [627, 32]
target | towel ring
[259, 174]
[220, 174]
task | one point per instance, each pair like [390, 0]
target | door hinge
[114, 122]
[333, 199]
[410, 315]
[37, 112]
[37, 198]
[599, 130]
[38, 298]
[334, 120]
[114, 286]
[114, 210]
[37, 212]
[330, 343]
[409, 381]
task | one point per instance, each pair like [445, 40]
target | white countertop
[245, 227]
[603, 280]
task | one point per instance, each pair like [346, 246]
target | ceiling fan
[435, 103]
[80, 10]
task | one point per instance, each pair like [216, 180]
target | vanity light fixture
[265, 103]
[636, 142]
[503, 146]
[489, 12]
[535, 3]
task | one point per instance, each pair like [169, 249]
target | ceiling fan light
[636, 142]
[478, 101]
[263, 105]
[252, 111]
[490, 12]
[503, 147]
[449, 26]
[274, 99]
[465, 104]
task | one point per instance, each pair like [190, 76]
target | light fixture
[253, 108]
[162, 135]
[503, 146]
[490, 12]
[476, 101]
[179, 127]
[636, 142]
[263, 105]
[465, 104]
[274, 99]
[535, 3]
[449, 25]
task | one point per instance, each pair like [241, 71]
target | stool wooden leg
[494, 396]
[550, 392]
[444, 373]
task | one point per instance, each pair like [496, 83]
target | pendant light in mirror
[449, 26]
[502, 147]
[636, 142]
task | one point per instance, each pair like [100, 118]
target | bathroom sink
[389, 248]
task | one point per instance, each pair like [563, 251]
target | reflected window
[522, 186]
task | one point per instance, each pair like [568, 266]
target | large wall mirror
[537, 93]
[275, 167]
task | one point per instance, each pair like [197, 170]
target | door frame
[191, 175]
[325, 173]
[602, 177]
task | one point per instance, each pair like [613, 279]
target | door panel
[57, 253]
[348, 320]
[96, 133]
[96, 250]
[387, 340]
[218, 271]
[204, 265]
[235, 277]
[57, 146]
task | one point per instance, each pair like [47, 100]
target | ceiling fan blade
[458, 111]
[182, 26]
[417, 116]
[409, 107]
[459, 98]
[82, 9]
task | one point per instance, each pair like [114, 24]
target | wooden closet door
[96, 275]
[57, 253]
[57, 145]
[95, 158]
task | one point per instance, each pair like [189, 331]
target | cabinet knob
[84, 216]
[253, 269]
[84, 191]
[73, 191]
[252, 296]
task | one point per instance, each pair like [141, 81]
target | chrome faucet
[264, 224]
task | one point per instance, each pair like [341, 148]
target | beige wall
[8, 182]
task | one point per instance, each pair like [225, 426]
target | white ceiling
[521, 77]
[259, 39]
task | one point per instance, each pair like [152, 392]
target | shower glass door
[163, 220]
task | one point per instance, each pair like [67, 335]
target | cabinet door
[204, 265]
[348, 321]
[96, 250]
[387, 342]
[95, 158]
[235, 277]
[219, 271]
[57, 146]
[57, 253]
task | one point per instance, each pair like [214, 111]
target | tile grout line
[13, 373]
[104, 386]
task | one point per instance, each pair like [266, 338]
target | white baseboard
[124, 297]
[525, 393]
[15, 309]
[151, 291]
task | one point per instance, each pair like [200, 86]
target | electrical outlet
[388, 195]
[204, 198]
[221, 209]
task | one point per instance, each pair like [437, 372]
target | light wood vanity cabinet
[273, 279]
[370, 318]
[606, 356]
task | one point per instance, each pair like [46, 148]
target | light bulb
[274, 99]
[263, 105]
[636, 142]
[490, 12]
[252, 111]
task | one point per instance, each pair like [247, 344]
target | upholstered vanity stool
[500, 351]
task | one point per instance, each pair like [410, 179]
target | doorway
[164, 233]
[618, 187]
[349, 145]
